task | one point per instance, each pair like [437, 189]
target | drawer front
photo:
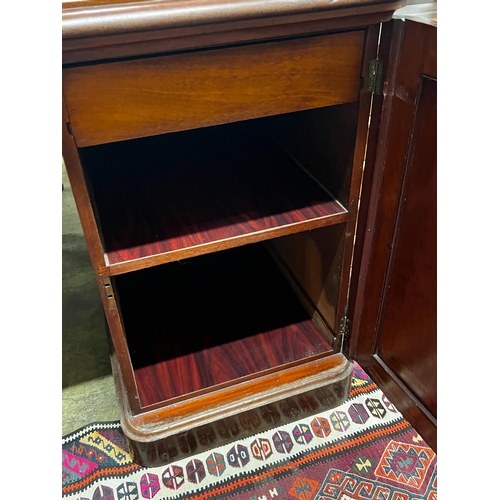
[136, 98]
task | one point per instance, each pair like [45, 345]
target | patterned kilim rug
[363, 449]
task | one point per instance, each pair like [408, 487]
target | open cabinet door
[394, 322]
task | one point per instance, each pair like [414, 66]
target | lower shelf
[215, 337]
[211, 321]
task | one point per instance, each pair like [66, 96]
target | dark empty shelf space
[194, 192]
[212, 320]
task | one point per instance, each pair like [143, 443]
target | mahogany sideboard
[227, 160]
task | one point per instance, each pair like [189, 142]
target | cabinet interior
[211, 320]
[225, 245]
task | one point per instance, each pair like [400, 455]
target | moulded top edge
[83, 18]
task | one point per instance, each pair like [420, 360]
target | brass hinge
[108, 290]
[373, 81]
[345, 330]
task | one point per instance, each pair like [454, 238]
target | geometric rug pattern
[361, 450]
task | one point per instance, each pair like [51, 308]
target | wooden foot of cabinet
[179, 429]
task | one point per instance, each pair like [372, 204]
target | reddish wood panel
[190, 193]
[212, 320]
[94, 245]
[80, 6]
[411, 303]
[322, 140]
[314, 258]
[82, 199]
[160, 41]
[394, 327]
[149, 96]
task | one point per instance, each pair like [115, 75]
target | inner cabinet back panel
[211, 321]
[141, 97]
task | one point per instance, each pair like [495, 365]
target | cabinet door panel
[407, 342]
[395, 326]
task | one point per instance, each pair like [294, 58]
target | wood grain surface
[96, 18]
[166, 198]
[113, 46]
[149, 96]
[314, 259]
[212, 320]
[410, 300]
[394, 328]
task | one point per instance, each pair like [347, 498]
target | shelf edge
[214, 246]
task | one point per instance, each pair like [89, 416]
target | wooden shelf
[213, 321]
[167, 198]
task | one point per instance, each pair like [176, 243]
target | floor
[88, 393]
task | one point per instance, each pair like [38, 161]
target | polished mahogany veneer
[176, 92]
[395, 326]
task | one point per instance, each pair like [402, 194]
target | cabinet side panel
[81, 193]
[314, 259]
[105, 286]
[321, 141]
